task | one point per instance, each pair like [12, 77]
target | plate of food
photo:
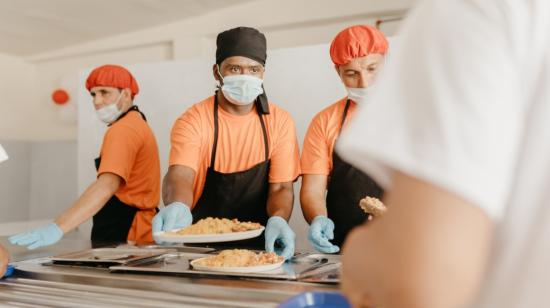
[212, 230]
[239, 261]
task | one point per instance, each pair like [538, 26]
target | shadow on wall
[38, 181]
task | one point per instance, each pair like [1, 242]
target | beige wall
[16, 80]
[286, 23]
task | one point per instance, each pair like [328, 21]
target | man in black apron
[332, 188]
[259, 189]
[128, 166]
[113, 222]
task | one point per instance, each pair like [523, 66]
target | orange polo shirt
[321, 136]
[240, 143]
[130, 151]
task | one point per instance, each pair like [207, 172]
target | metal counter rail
[35, 285]
[27, 292]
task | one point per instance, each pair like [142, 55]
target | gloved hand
[321, 232]
[43, 236]
[176, 215]
[279, 238]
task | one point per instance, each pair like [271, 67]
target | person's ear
[126, 98]
[126, 94]
[216, 73]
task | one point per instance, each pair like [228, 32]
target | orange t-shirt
[240, 143]
[130, 151]
[321, 135]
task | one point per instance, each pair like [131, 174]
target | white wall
[286, 23]
[52, 178]
[16, 95]
[38, 180]
[14, 182]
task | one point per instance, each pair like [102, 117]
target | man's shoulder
[330, 113]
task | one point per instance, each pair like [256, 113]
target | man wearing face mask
[331, 188]
[125, 195]
[234, 155]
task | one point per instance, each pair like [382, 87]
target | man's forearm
[280, 200]
[89, 203]
[313, 196]
[177, 190]
[313, 205]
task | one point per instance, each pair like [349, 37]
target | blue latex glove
[176, 215]
[321, 232]
[40, 237]
[279, 238]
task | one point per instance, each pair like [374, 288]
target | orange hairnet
[355, 42]
[112, 76]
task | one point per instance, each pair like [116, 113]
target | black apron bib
[346, 187]
[113, 222]
[242, 195]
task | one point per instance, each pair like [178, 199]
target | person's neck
[127, 106]
[232, 108]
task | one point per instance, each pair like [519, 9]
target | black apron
[346, 187]
[113, 222]
[242, 195]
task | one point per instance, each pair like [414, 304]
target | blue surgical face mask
[241, 89]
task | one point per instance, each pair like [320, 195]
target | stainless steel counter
[36, 285]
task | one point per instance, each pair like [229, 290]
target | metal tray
[106, 257]
[307, 266]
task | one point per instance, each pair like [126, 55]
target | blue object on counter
[9, 271]
[317, 300]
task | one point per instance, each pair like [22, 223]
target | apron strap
[266, 144]
[136, 108]
[215, 145]
[133, 108]
[344, 115]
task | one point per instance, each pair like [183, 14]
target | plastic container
[317, 300]
[9, 271]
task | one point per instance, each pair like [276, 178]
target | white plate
[241, 269]
[207, 238]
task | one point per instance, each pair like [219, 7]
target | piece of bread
[372, 206]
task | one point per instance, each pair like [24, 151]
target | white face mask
[3, 154]
[110, 113]
[359, 95]
[241, 89]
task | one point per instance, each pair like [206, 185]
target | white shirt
[464, 103]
